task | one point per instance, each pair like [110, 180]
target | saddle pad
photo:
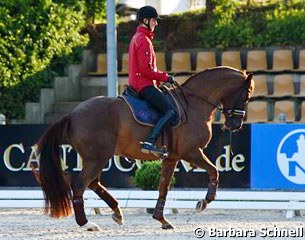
[144, 113]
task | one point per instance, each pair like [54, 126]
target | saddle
[143, 112]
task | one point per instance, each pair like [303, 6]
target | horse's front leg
[199, 159]
[167, 171]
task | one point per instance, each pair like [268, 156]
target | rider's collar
[146, 31]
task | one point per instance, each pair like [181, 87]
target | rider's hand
[170, 79]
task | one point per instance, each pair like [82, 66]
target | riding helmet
[147, 12]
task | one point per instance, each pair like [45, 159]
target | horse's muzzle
[233, 124]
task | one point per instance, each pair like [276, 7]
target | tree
[33, 34]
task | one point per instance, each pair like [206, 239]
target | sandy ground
[32, 224]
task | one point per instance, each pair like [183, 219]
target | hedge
[232, 27]
[148, 176]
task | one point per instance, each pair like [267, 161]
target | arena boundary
[292, 202]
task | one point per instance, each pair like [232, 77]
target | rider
[145, 78]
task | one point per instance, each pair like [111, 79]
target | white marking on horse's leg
[91, 226]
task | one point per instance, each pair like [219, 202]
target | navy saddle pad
[143, 112]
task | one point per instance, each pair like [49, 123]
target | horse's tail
[55, 185]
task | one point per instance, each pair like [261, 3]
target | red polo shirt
[142, 61]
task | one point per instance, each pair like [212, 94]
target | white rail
[292, 202]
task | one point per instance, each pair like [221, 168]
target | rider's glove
[171, 79]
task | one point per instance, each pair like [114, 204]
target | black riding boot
[149, 145]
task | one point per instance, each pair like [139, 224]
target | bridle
[234, 110]
[226, 111]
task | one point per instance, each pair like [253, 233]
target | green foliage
[232, 26]
[93, 10]
[36, 37]
[285, 27]
[224, 11]
[147, 177]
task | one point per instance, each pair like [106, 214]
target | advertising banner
[233, 161]
[278, 156]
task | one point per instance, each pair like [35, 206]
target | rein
[175, 85]
[226, 111]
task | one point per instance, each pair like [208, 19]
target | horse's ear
[249, 77]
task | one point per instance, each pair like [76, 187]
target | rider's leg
[156, 98]
[148, 146]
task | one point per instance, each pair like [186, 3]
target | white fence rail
[292, 202]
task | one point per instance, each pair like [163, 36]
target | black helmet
[147, 12]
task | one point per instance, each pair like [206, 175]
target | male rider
[145, 78]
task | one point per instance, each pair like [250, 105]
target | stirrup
[148, 147]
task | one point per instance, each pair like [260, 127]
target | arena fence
[292, 202]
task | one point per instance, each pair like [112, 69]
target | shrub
[147, 177]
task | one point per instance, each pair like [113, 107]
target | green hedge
[232, 26]
[37, 38]
[147, 177]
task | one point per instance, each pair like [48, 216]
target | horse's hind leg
[168, 167]
[103, 193]
[199, 159]
[90, 172]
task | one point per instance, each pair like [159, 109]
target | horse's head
[231, 87]
[235, 103]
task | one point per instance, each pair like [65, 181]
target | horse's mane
[210, 71]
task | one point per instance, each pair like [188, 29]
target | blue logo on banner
[292, 164]
[278, 156]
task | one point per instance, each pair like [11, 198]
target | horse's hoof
[118, 218]
[167, 226]
[201, 205]
[92, 227]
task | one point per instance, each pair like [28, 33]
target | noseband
[232, 112]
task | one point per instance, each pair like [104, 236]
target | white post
[112, 77]
[2, 119]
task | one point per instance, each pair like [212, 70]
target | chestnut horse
[101, 127]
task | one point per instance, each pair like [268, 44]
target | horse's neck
[207, 92]
[200, 106]
[213, 86]
[208, 88]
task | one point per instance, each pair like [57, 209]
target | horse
[101, 127]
